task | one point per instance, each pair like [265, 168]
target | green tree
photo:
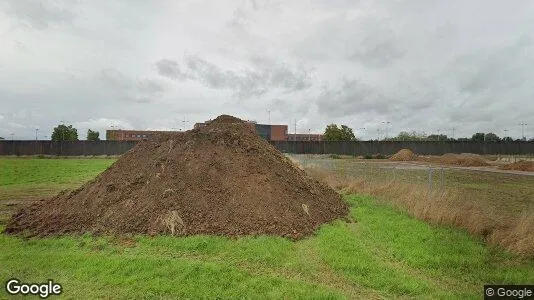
[93, 135]
[410, 136]
[478, 137]
[507, 139]
[335, 133]
[437, 137]
[64, 133]
[347, 133]
[491, 137]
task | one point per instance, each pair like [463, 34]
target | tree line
[69, 133]
[333, 132]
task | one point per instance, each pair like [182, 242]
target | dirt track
[410, 165]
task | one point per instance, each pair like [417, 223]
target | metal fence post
[429, 182]
[442, 179]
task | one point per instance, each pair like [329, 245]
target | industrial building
[268, 132]
[132, 135]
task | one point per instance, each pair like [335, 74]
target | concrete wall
[347, 148]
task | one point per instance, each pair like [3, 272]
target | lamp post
[361, 129]
[36, 130]
[523, 124]
[453, 129]
[387, 123]
[184, 122]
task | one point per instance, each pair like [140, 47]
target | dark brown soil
[404, 155]
[521, 165]
[462, 160]
[220, 179]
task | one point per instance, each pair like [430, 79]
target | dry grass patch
[444, 206]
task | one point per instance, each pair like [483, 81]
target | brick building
[268, 132]
[132, 135]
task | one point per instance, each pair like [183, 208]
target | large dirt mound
[403, 155]
[462, 160]
[521, 165]
[219, 179]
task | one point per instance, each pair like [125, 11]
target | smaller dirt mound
[521, 165]
[404, 155]
[462, 160]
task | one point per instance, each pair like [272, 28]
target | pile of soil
[220, 179]
[462, 160]
[404, 155]
[521, 165]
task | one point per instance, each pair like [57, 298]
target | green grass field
[27, 179]
[384, 253]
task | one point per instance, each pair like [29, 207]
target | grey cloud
[496, 70]
[289, 107]
[170, 68]
[353, 96]
[376, 52]
[130, 90]
[149, 87]
[131, 99]
[40, 14]
[245, 83]
[421, 64]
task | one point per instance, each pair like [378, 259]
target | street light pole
[183, 123]
[523, 124]
[36, 130]
[361, 128]
[387, 125]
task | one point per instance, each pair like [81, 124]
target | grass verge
[384, 253]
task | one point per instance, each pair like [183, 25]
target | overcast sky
[424, 65]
